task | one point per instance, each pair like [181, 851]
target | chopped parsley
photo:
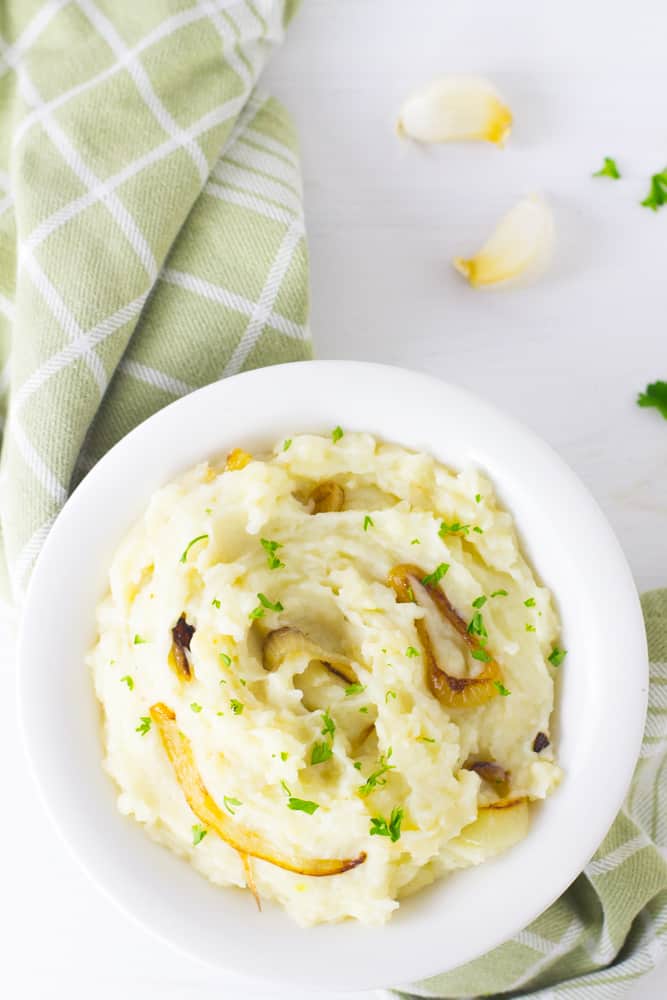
[302, 805]
[655, 395]
[329, 727]
[198, 834]
[215, 603]
[144, 725]
[608, 169]
[208, 510]
[499, 593]
[357, 765]
[501, 689]
[476, 626]
[415, 541]
[283, 755]
[529, 627]
[455, 528]
[479, 602]
[434, 578]
[227, 660]
[354, 689]
[271, 548]
[265, 603]
[376, 777]
[364, 709]
[411, 652]
[425, 739]
[411, 594]
[287, 444]
[657, 195]
[480, 654]
[128, 680]
[229, 803]
[557, 656]
[195, 707]
[480, 531]
[321, 752]
[336, 434]
[530, 602]
[388, 695]
[138, 641]
[392, 829]
[368, 522]
[285, 787]
[199, 538]
[478, 497]
[236, 706]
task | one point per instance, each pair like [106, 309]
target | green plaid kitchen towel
[151, 228]
[151, 241]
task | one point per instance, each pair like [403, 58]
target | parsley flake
[320, 753]
[336, 434]
[285, 787]
[425, 739]
[499, 593]
[411, 652]
[129, 681]
[376, 777]
[198, 834]
[145, 723]
[476, 626]
[480, 531]
[195, 707]
[302, 805]
[530, 628]
[557, 656]
[388, 695]
[434, 578]
[199, 538]
[265, 603]
[501, 689]
[287, 444]
[657, 195]
[271, 548]
[352, 689]
[415, 541]
[368, 522]
[481, 655]
[392, 829]
[227, 660]
[478, 497]
[530, 602]
[608, 169]
[215, 603]
[655, 395]
[236, 706]
[329, 727]
[283, 755]
[357, 765]
[479, 602]
[138, 641]
[364, 709]
[455, 528]
[229, 802]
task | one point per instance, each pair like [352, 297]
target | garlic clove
[453, 108]
[519, 247]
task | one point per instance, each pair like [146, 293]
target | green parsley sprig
[392, 829]
[608, 169]
[654, 395]
[193, 541]
[376, 778]
[271, 548]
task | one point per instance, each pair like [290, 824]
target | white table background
[567, 356]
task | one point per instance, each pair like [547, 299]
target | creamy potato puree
[204, 551]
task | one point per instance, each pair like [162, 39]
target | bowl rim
[616, 580]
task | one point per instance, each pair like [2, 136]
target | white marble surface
[566, 356]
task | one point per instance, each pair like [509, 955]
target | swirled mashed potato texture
[241, 552]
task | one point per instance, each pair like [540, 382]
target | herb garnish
[336, 434]
[195, 707]
[138, 641]
[285, 787]
[229, 802]
[481, 655]
[236, 706]
[302, 805]
[456, 528]
[227, 660]
[198, 834]
[415, 541]
[479, 602]
[425, 739]
[271, 548]
[388, 695]
[128, 680]
[287, 444]
[329, 727]
[499, 593]
[199, 538]
[376, 778]
[480, 531]
[357, 765]
[655, 395]
[501, 689]
[392, 829]
[557, 656]
[530, 628]
[215, 603]
[368, 522]
[283, 755]
[434, 578]
[657, 195]
[411, 652]
[145, 723]
[264, 602]
[476, 626]
[364, 709]
[608, 169]
[478, 497]
[530, 602]
[321, 752]
[354, 689]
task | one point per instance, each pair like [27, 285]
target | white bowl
[601, 701]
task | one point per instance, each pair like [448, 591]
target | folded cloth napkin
[151, 229]
[610, 927]
[152, 241]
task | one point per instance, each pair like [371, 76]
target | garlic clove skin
[455, 108]
[519, 248]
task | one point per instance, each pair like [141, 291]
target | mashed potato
[358, 663]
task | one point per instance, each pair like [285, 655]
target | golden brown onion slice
[326, 498]
[286, 641]
[455, 692]
[179, 660]
[246, 842]
[497, 827]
